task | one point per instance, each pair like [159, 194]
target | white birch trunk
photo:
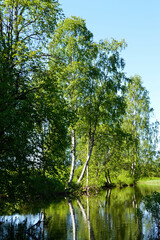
[87, 155]
[88, 158]
[73, 156]
[91, 147]
[87, 175]
[85, 165]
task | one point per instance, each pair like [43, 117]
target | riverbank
[44, 189]
[150, 181]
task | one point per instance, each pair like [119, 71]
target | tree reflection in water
[86, 218]
[113, 214]
[19, 227]
[73, 219]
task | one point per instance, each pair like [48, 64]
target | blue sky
[138, 22]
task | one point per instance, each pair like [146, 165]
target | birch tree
[73, 45]
[137, 122]
[91, 78]
[105, 101]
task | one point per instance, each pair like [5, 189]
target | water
[112, 214]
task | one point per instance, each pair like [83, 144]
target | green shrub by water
[123, 179]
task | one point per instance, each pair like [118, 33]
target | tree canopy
[66, 105]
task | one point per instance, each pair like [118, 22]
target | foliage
[123, 179]
[32, 130]
[137, 123]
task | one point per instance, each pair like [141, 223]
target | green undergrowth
[123, 179]
[35, 186]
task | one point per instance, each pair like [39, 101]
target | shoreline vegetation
[47, 192]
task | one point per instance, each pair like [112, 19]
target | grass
[150, 181]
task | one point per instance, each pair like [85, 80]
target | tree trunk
[89, 137]
[85, 165]
[107, 177]
[73, 155]
[88, 155]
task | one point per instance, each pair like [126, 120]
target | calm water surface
[110, 215]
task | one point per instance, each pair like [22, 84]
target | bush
[123, 179]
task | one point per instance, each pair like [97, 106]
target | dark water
[113, 214]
